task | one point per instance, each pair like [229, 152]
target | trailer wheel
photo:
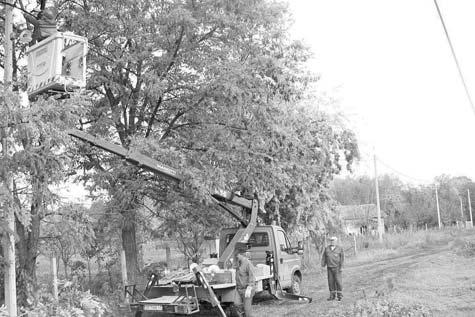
[295, 286]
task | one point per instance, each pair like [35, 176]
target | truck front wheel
[295, 286]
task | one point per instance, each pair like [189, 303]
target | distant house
[359, 219]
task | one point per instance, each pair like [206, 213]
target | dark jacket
[43, 26]
[333, 258]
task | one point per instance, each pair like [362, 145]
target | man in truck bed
[245, 280]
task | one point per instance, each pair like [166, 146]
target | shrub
[381, 307]
[467, 249]
[72, 302]
[105, 284]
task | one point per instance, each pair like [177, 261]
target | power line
[469, 97]
[402, 174]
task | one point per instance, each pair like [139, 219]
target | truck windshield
[257, 239]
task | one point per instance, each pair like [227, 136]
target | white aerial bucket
[57, 63]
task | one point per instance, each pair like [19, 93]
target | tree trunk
[27, 248]
[129, 243]
[168, 255]
[277, 211]
[89, 273]
[65, 264]
[2, 288]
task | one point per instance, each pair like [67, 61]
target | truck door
[284, 260]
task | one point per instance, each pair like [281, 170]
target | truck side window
[282, 240]
[257, 239]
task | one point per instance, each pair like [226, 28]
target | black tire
[295, 287]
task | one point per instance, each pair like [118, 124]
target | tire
[295, 286]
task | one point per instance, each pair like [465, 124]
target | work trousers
[244, 304]
[334, 282]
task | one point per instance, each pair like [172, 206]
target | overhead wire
[462, 78]
[418, 180]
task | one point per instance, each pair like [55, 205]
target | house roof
[358, 212]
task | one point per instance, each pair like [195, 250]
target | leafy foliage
[408, 205]
[36, 160]
[211, 88]
[69, 232]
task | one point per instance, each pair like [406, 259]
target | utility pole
[470, 208]
[461, 208]
[380, 225]
[9, 247]
[438, 209]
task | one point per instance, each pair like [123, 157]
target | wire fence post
[123, 267]
[54, 272]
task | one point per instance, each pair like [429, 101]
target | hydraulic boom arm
[224, 199]
[135, 158]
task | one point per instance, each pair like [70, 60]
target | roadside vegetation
[219, 91]
[424, 273]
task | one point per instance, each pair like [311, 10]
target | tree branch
[152, 117]
[178, 116]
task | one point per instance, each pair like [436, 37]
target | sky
[389, 66]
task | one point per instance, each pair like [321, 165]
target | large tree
[209, 87]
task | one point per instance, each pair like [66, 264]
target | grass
[423, 273]
[369, 248]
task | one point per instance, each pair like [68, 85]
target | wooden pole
[123, 268]
[9, 248]
[380, 225]
[470, 208]
[438, 209]
[354, 243]
[461, 208]
[54, 271]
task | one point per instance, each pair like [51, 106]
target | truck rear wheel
[295, 286]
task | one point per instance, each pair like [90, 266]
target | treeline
[410, 205]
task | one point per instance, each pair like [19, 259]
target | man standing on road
[245, 280]
[333, 258]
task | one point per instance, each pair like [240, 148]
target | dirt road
[434, 278]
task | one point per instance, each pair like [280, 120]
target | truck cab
[287, 261]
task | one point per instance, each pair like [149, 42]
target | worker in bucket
[333, 258]
[44, 23]
[245, 280]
